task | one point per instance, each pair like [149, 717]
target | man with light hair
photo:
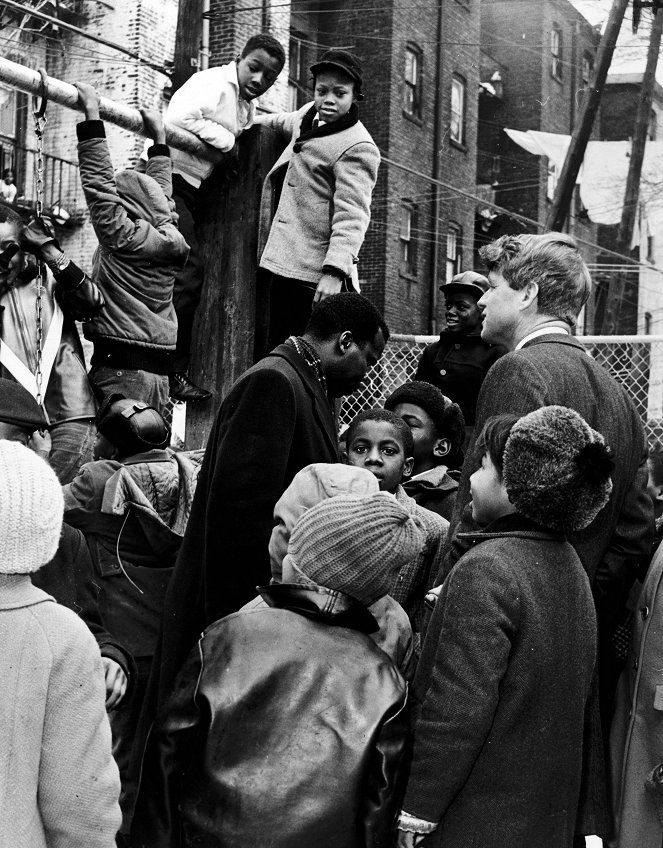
[538, 285]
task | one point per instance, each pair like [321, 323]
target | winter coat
[140, 252]
[286, 729]
[636, 738]
[325, 201]
[311, 486]
[59, 786]
[275, 420]
[70, 578]
[434, 490]
[457, 364]
[133, 513]
[501, 691]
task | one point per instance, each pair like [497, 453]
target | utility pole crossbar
[64, 94]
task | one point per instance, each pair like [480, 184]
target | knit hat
[31, 507]
[344, 61]
[18, 407]
[468, 281]
[131, 425]
[556, 469]
[356, 545]
[446, 414]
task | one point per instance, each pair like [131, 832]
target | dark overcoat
[275, 420]
[500, 692]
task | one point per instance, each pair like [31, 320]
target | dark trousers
[189, 282]
[290, 303]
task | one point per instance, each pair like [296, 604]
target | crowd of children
[367, 692]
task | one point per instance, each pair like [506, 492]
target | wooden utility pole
[187, 40]
[583, 127]
[632, 192]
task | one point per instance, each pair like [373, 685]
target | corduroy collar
[308, 131]
[328, 606]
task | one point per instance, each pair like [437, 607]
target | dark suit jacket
[275, 420]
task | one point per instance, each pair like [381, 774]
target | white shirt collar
[542, 331]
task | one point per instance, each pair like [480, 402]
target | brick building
[541, 59]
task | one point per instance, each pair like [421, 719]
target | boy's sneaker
[181, 388]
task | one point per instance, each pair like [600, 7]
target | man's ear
[441, 447]
[345, 341]
[529, 294]
[407, 467]
[659, 493]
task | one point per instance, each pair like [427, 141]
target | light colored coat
[636, 737]
[59, 785]
[325, 202]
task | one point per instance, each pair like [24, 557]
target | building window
[551, 184]
[458, 86]
[587, 68]
[653, 125]
[454, 251]
[651, 249]
[412, 89]
[408, 240]
[7, 112]
[298, 74]
[556, 52]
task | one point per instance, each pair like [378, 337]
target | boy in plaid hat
[503, 685]
[287, 725]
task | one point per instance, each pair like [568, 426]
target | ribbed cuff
[87, 130]
[158, 150]
[411, 824]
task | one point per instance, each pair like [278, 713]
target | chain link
[40, 126]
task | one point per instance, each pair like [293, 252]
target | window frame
[412, 89]
[458, 84]
[556, 52]
[454, 260]
[408, 242]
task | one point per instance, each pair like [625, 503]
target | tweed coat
[500, 694]
[59, 786]
[636, 738]
[325, 201]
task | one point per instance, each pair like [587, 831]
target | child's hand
[408, 840]
[116, 682]
[153, 123]
[89, 100]
[41, 443]
[329, 284]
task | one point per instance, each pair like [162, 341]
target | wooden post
[583, 127]
[632, 191]
[232, 303]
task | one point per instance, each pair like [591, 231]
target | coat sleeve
[475, 623]
[285, 123]
[79, 784]
[385, 784]
[425, 370]
[81, 501]
[192, 106]
[171, 745]
[355, 175]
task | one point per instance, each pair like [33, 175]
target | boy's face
[429, 448]
[334, 95]
[462, 313]
[489, 498]
[377, 447]
[256, 72]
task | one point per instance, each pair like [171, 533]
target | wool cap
[131, 425]
[18, 407]
[468, 281]
[31, 508]
[344, 61]
[556, 469]
[355, 544]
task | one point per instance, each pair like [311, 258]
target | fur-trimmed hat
[556, 469]
[355, 544]
[31, 508]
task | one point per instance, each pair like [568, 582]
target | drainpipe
[437, 140]
[203, 53]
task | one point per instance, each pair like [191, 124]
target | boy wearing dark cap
[459, 361]
[438, 431]
[323, 182]
[503, 686]
[286, 726]
[132, 505]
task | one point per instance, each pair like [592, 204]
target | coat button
[644, 612]
[635, 664]
[457, 346]
[442, 372]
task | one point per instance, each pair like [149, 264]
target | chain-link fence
[635, 361]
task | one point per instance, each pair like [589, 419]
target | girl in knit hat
[503, 684]
[287, 726]
[55, 747]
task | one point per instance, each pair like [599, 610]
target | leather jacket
[286, 728]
